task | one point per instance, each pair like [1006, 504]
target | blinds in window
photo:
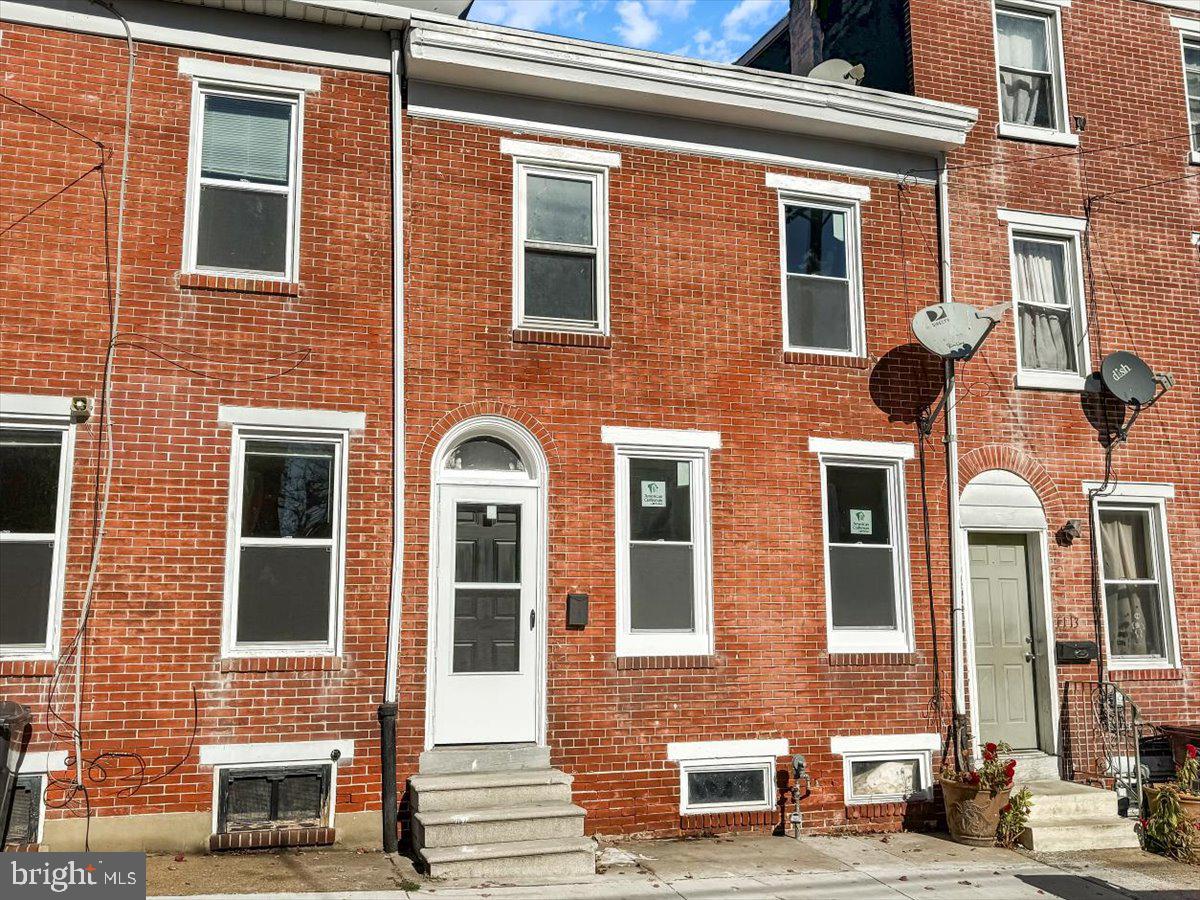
[246, 140]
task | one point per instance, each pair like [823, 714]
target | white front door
[486, 626]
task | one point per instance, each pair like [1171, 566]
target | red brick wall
[156, 617]
[1125, 75]
[696, 343]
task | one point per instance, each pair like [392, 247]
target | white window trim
[883, 748]
[230, 648]
[283, 752]
[596, 174]
[703, 756]
[538, 152]
[44, 413]
[249, 75]
[1065, 228]
[818, 187]
[275, 764]
[1052, 11]
[318, 419]
[1130, 490]
[840, 198]
[863, 454]
[1192, 25]
[1189, 35]
[684, 446]
[1157, 505]
[260, 88]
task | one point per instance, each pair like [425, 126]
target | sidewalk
[743, 867]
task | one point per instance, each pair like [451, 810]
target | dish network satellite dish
[838, 70]
[1130, 380]
[955, 330]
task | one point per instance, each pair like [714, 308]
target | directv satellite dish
[840, 71]
[1128, 378]
[955, 330]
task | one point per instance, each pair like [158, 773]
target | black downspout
[387, 759]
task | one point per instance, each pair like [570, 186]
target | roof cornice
[486, 57]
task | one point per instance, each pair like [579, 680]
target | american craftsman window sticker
[654, 493]
[860, 521]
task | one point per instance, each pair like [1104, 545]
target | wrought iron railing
[1101, 731]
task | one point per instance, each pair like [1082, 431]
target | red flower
[1192, 751]
[972, 778]
[990, 747]
[988, 755]
[1007, 808]
[1143, 821]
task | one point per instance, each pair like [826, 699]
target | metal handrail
[1102, 730]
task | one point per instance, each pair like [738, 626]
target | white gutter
[397, 576]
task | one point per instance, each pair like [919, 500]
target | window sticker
[839, 227]
[860, 521]
[654, 493]
[683, 475]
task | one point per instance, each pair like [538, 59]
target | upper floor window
[560, 245]
[1033, 95]
[1191, 74]
[821, 266]
[243, 194]
[1047, 286]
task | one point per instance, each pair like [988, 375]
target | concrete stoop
[492, 811]
[1069, 816]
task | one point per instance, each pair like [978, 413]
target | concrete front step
[533, 859]
[483, 758]
[533, 822]
[1033, 765]
[1081, 834]
[1059, 801]
[475, 790]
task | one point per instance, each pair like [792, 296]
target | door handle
[1029, 657]
[532, 614]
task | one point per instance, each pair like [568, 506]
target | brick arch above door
[1001, 456]
[433, 437]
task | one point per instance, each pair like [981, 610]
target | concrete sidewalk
[758, 867]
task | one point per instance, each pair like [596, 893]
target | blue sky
[720, 30]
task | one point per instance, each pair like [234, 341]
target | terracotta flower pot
[1190, 803]
[973, 814]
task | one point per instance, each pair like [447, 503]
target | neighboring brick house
[666, 511]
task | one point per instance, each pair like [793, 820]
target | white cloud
[740, 27]
[636, 28]
[751, 14]
[533, 15]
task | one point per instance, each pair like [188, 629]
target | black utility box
[1069, 652]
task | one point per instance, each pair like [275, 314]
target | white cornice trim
[470, 54]
[1191, 26]
[35, 406]
[293, 751]
[331, 419]
[1042, 220]
[535, 150]
[250, 75]
[685, 750]
[660, 437]
[1130, 490]
[866, 449]
[883, 743]
[817, 187]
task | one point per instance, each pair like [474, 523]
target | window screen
[1026, 57]
[29, 524]
[818, 280]
[862, 573]
[561, 249]
[289, 541]
[291, 797]
[26, 810]
[246, 184]
[662, 582]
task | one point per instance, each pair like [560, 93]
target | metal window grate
[26, 809]
[289, 797]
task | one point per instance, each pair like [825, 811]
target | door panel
[1004, 667]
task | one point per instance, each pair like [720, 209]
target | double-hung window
[1047, 286]
[1033, 94]
[822, 273]
[1135, 571]
[34, 486]
[560, 245]
[1191, 75]
[286, 538]
[244, 175]
[866, 546]
[664, 565]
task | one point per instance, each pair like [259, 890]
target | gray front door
[1004, 679]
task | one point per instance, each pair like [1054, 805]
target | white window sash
[850, 207]
[597, 178]
[295, 98]
[765, 765]
[1191, 41]
[48, 649]
[1050, 15]
[331, 646]
[699, 640]
[1155, 510]
[897, 639]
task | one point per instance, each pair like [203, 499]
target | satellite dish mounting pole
[957, 621]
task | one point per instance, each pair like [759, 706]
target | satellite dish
[955, 330]
[838, 70]
[1128, 378]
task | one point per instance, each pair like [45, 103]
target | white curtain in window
[1133, 617]
[1046, 334]
[1021, 44]
[1023, 98]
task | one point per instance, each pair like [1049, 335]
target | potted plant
[975, 798]
[1185, 788]
[1167, 830]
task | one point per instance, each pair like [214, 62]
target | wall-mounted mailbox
[577, 610]
[1070, 652]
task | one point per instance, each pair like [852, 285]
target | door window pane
[284, 594]
[242, 230]
[660, 500]
[487, 544]
[560, 285]
[661, 587]
[29, 462]
[726, 786]
[559, 210]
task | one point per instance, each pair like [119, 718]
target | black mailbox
[1069, 652]
[577, 610]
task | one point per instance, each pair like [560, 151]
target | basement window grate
[253, 799]
[26, 810]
